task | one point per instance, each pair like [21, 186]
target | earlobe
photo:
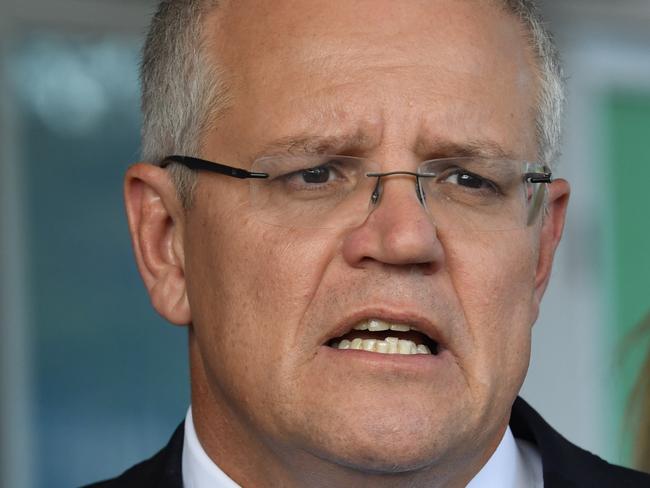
[551, 233]
[156, 220]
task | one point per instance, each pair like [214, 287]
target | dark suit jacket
[565, 465]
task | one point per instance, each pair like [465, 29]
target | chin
[387, 447]
[388, 461]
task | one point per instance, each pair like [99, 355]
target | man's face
[404, 81]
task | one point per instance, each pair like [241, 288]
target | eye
[320, 174]
[468, 180]
[329, 171]
[311, 177]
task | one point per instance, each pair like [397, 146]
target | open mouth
[383, 337]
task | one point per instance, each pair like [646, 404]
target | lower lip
[416, 363]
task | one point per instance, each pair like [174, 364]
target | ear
[156, 219]
[551, 232]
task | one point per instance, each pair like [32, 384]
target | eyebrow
[316, 144]
[473, 148]
[359, 142]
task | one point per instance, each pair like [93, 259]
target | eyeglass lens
[322, 191]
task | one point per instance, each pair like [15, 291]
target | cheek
[256, 284]
[247, 304]
[493, 269]
[493, 275]
[284, 268]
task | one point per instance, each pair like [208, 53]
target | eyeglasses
[330, 191]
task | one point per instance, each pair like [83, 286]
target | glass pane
[109, 376]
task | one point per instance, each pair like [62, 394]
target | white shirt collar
[199, 471]
[514, 464]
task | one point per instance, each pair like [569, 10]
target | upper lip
[410, 318]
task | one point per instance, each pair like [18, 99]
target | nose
[398, 231]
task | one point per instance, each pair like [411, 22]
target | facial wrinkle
[380, 287]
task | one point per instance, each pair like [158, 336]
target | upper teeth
[375, 325]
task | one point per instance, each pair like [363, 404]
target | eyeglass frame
[234, 172]
[199, 164]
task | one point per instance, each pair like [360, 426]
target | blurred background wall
[93, 381]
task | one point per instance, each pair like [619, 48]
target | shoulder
[163, 470]
[565, 464]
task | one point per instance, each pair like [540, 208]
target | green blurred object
[627, 114]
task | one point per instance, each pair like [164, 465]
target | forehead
[268, 25]
[344, 65]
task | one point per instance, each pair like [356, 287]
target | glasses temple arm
[202, 164]
[538, 177]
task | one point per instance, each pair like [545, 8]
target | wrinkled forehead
[335, 31]
[462, 52]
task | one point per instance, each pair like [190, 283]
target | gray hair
[551, 97]
[183, 92]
